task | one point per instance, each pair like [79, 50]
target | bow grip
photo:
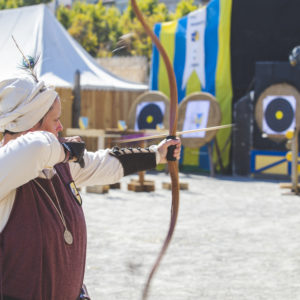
[170, 153]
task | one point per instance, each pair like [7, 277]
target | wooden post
[210, 156]
[220, 162]
[140, 184]
[141, 177]
[101, 141]
[76, 101]
[295, 162]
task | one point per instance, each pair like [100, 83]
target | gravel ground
[236, 238]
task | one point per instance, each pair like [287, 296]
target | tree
[104, 31]
[97, 29]
[4, 4]
[153, 12]
[183, 8]
[63, 15]
[108, 43]
[33, 2]
[82, 30]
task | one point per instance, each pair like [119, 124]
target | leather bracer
[135, 159]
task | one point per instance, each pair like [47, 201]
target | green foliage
[4, 4]
[63, 14]
[113, 32]
[94, 26]
[103, 31]
[10, 3]
[183, 8]
[33, 2]
[153, 12]
[82, 30]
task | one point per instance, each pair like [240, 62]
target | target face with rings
[277, 111]
[150, 116]
[279, 114]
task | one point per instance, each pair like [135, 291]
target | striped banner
[199, 47]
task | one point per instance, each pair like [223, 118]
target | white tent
[39, 34]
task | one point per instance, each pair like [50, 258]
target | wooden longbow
[173, 165]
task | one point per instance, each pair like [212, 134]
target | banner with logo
[199, 47]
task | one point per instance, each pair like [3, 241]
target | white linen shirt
[34, 154]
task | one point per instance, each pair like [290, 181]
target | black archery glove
[74, 152]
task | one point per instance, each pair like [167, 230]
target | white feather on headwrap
[23, 103]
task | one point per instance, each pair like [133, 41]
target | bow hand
[169, 149]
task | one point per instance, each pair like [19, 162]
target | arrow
[152, 137]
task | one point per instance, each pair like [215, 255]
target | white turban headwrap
[23, 103]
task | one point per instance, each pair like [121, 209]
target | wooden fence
[103, 108]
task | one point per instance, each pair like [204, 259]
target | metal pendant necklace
[67, 234]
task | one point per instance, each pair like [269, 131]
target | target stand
[97, 189]
[276, 113]
[141, 185]
[115, 186]
[196, 111]
[150, 111]
[292, 156]
[182, 186]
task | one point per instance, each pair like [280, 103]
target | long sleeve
[100, 168]
[23, 158]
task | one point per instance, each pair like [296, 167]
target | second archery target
[277, 109]
[196, 111]
[196, 117]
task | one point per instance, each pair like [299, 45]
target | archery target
[277, 111]
[196, 111]
[196, 117]
[279, 114]
[149, 111]
[149, 115]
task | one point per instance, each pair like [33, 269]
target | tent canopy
[39, 34]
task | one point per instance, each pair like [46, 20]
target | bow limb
[173, 165]
[169, 67]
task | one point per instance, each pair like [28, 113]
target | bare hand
[163, 149]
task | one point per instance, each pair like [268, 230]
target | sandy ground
[236, 238]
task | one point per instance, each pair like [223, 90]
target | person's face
[51, 121]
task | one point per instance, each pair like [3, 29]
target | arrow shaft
[204, 129]
[152, 137]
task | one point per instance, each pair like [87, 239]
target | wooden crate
[168, 186]
[145, 186]
[97, 189]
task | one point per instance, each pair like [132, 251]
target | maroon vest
[35, 261]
